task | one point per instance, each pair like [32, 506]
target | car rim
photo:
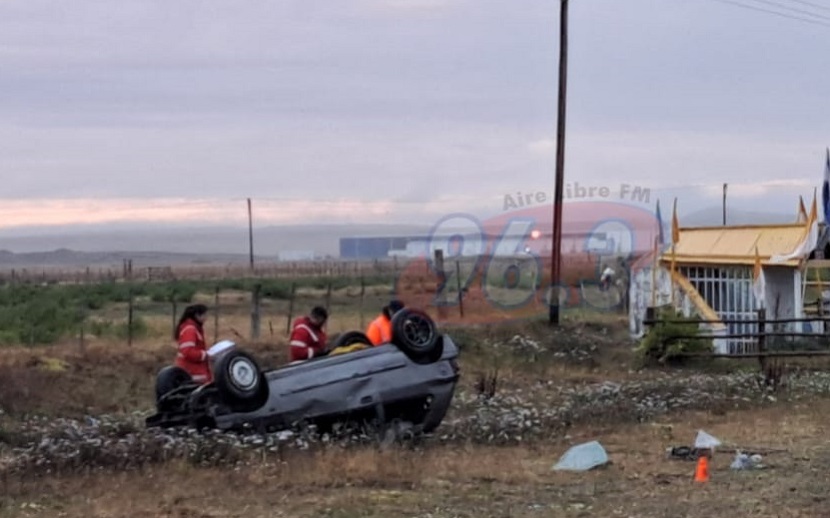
[242, 374]
[418, 332]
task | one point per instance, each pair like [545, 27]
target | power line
[817, 6]
[760, 9]
[793, 9]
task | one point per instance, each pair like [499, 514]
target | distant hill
[163, 245]
[713, 216]
[179, 245]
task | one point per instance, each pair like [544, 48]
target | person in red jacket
[308, 339]
[192, 352]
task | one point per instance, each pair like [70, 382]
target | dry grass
[439, 481]
[480, 482]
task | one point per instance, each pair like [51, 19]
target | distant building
[598, 243]
[297, 255]
[378, 247]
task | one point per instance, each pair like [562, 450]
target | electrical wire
[817, 6]
[784, 15]
[793, 9]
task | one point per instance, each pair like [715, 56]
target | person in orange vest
[192, 351]
[380, 329]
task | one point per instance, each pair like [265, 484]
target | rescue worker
[192, 352]
[606, 278]
[308, 339]
[380, 329]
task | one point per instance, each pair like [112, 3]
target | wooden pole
[250, 234]
[556, 252]
[362, 296]
[442, 281]
[724, 205]
[216, 315]
[255, 312]
[762, 328]
[460, 292]
[130, 318]
[291, 307]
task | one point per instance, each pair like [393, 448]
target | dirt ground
[482, 481]
[431, 480]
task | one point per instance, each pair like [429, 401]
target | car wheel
[414, 332]
[170, 378]
[238, 377]
[351, 338]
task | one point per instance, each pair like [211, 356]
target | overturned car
[412, 379]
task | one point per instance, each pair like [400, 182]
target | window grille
[728, 290]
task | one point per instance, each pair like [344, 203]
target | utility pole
[724, 205]
[556, 249]
[250, 234]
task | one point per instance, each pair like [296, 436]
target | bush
[662, 343]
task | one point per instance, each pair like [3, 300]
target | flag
[758, 280]
[675, 226]
[802, 211]
[810, 240]
[660, 239]
[654, 267]
[825, 189]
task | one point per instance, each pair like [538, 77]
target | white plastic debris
[704, 441]
[582, 457]
[743, 461]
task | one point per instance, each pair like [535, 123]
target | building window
[728, 291]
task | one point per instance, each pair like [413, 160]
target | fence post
[290, 308]
[174, 312]
[442, 279]
[762, 327]
[81, 337]
[216, 315]
[255, 312]
[130, 317]
[460, 293]
[362, 295]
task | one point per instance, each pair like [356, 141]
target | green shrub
[662, 343]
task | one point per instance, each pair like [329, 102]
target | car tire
[351, 338]
[239, 378]
[170, 378]
[414, 332]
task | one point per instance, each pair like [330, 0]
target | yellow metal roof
[736, 245]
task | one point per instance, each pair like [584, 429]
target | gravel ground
[527, 415]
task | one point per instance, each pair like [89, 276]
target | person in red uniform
[308, 339]
[380, 329]
[192, 352]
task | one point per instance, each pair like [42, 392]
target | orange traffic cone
[702, 471]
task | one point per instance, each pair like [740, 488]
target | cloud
[390, 105]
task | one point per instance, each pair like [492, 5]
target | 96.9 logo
[500, 268]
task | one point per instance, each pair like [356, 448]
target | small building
[712, 277]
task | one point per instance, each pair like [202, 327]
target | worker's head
[395, 306]
[318, 315]
[195, 312]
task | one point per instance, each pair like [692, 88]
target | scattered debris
[704, 441]
[583, 457]
[746, 462]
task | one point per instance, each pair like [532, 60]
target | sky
[400, 110]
